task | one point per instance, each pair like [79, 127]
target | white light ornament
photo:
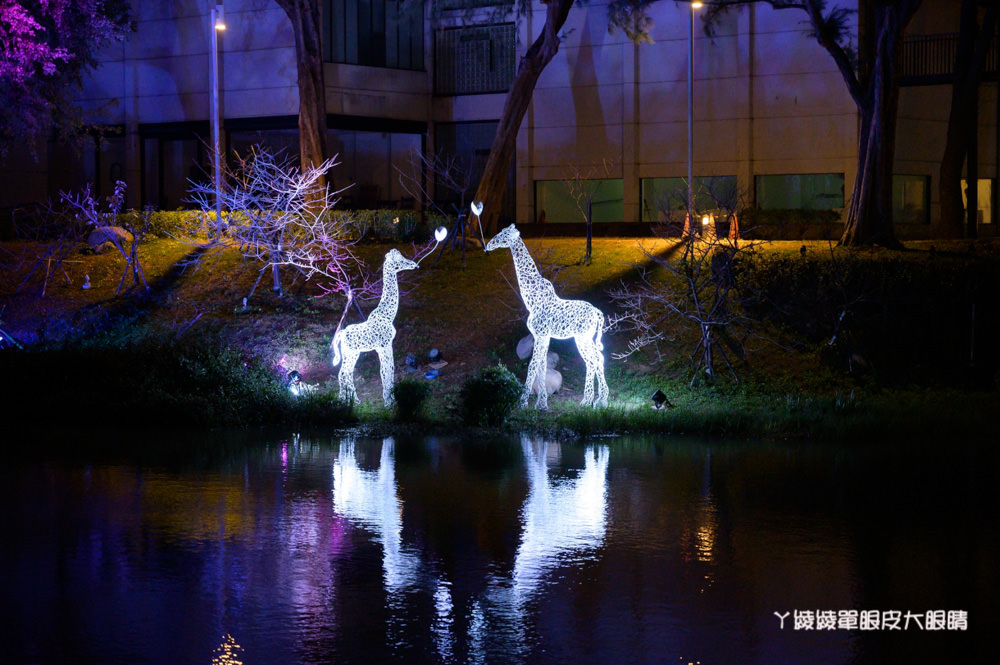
[375, 334]
[440, 233]
[550, 316]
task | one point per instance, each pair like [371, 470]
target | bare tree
[284, 217]
[453, 181]
[276, 210]
[61, 232]
[584, 185]
[696, 284]
[104, 222]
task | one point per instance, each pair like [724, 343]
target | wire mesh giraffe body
[375, 334]
[551, 316]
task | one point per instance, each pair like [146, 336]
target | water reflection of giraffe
[562, 518]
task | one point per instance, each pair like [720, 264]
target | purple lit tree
[45, 48]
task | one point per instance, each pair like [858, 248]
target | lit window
[555, 202]
[984, 193]
[805, 191]
[661, 197]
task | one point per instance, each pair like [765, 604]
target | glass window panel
[807, 191]
[555, 202]
[474, 60]
[151, 173]
[469, 143]
[984, 193]
[181, 163]
[910, 199]
[663, 197]
[375, 33]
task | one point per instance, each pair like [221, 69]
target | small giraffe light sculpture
[375, 334]
[550, 316]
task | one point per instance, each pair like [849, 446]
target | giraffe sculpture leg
[602, 384]
[595, 382]
[346, 375]
[387, 370]
[537, 369]
[587, 350]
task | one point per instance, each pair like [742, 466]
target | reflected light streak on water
[438, 551]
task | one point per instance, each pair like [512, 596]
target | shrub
[489, 397]
[165, 223]
[388, 226]
[410, 396]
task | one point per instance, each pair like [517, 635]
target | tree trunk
[305, 16]
[973, 44]
[494, 180]
[869, 216]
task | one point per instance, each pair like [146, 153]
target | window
[444, 5]
[910, 199]
[663, 197]
[554, 200]
[810, 191]
[984, 194]
[469, 143]
[172, 156]
[375, 33]
[474, 60]
[368, 167]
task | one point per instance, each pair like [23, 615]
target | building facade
[773, 126]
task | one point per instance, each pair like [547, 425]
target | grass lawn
[467, 307]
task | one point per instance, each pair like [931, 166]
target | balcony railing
[930, 59]
[474, 60]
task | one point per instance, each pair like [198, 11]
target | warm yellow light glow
[696, 4]
[705, 220]
[220, 18]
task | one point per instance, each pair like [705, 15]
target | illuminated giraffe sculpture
[375, 334]
[550, 316]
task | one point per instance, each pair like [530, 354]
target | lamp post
[695, 4]
[217, 19]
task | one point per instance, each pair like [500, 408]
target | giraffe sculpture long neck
[389, 303]
[529, 280]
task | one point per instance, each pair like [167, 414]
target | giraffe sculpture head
[503, 239]
[396, 262]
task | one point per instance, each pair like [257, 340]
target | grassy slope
[466, 308]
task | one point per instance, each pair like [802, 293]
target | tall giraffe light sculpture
[550, 316]
[375, 334]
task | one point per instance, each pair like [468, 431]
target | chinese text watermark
[873, 620]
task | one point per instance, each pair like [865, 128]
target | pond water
[311, 549]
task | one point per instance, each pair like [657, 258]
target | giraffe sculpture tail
[600, 332]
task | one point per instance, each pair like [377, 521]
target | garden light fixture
[659, 399]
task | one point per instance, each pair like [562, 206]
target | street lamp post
[217, 19]
[695, 4]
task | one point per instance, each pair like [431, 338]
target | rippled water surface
[351, 550]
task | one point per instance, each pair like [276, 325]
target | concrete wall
[767, 99]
